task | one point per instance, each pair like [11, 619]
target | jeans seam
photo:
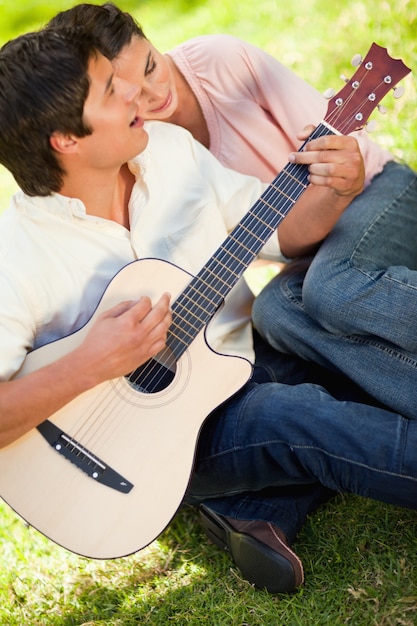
[358, 463]
[290, 296]
[394, 353]
[316, 449]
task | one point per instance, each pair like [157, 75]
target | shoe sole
[260, 565]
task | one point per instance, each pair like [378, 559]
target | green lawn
[360, 556]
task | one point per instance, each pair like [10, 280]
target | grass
[360, 556]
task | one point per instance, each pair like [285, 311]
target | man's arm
[121, 339]
[337, 176]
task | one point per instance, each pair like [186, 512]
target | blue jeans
[277, 450]
[353, 310]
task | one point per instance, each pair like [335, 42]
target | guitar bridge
[81, 457]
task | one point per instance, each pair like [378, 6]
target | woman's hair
[112, 28]
[44, 84]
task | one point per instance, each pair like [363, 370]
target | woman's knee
[329, 293]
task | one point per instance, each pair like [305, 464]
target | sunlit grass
[359, 557]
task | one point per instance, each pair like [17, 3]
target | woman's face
[140, 63]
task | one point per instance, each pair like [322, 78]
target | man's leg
[271, 438]
[272, 435]
[262, 550]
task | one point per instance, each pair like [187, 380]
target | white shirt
[56, 261]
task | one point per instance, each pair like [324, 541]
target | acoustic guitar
[104, 476]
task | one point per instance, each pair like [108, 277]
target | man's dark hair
[44, 84]
[111, 28]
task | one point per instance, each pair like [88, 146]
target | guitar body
[148, 438]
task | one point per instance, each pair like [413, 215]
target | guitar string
[288, 189]
[336, 113]
[203, 300]
[204, 294]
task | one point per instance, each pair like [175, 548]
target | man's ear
[64, 144]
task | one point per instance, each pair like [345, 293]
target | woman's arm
[337, 176]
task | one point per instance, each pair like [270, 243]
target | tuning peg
[399, 91]
[356, 60]
[371, 126]
[329, 93]
[345, 78]
[381, 109]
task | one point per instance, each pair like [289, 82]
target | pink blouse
[254, 106]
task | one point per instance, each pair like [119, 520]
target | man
[69, 132]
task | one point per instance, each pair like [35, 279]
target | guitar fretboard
[206, 291]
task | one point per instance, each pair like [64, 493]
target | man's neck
[104, 194]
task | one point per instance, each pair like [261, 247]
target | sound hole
[154, 375]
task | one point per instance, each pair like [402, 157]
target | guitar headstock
[351, 107]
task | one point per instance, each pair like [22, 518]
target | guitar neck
[205, 293]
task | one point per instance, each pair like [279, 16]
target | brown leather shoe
[259, 550]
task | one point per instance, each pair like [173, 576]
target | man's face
[112, 111]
